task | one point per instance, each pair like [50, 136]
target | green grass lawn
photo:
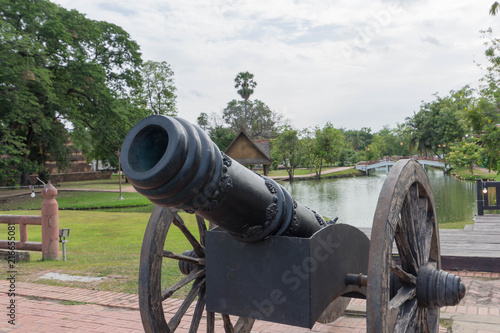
[76, 200]
[100, 245]
[455, 225]
[344, 173]
[464, 173]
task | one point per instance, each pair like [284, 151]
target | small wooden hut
[247, 152]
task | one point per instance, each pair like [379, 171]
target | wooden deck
[477, 248]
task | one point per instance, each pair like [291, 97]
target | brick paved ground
[42, 308]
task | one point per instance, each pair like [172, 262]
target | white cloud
[354, 63]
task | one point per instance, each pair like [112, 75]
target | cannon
[265, 256]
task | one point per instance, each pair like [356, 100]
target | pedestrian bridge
[387, 162]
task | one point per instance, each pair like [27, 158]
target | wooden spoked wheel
[152, 294]
[405, 215]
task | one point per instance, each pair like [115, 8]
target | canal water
[353, 200]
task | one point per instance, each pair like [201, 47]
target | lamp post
[63, 233]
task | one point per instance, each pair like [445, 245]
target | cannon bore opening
[147, 148]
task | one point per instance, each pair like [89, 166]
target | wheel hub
[186, 267]
[438, 288]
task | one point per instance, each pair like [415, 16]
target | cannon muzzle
[174, 164]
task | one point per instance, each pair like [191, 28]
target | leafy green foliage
[259, 121]
[58, 67]
[484, 115]
[494, 8]
[358, 139]
[245, 84]
[328, 145]
[202, 120]
[439, 123]
[386, 142]
[466, 153]
[157, 92]
[222, 137]
[288, 150]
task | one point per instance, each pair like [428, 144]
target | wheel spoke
[197, 273]
[433, 319]
[426, 235]
[421, 231]
[181, 257]
[176, 319]
[198, 249]
[198, 311]
[202, 228]
[422, 321]
[210, 322]
[409, 219]
[406, 317]
[403, 276]
[408, 261]
[228, 327]
[404, 294]
[244, 325]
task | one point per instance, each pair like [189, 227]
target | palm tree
[244, 81]
[494, 8]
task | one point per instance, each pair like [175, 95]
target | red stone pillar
[50, 223]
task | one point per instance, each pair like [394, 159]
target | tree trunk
[320, 167]
[25, 176]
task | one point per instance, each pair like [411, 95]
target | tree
[222, 137]
[287, 149]
[202, 120]
[60, 68]
[328, 144]
[157, 92]
[440, 123]
[244, 81]
[308, 141]
[387, 142]
[259, 122]
[466, 153]
[358, 139]
[484, 115]
[494, 8]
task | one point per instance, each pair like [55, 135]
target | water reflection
[354, 200]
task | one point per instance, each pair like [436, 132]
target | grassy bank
[344, 174]
[479, 173]
[100, 245]
[324, 175]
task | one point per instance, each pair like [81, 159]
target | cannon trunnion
[271, 258]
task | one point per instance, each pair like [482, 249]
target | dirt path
[484, 170]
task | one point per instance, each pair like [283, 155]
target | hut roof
[248, 152]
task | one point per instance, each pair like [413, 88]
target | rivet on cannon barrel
[174, 164]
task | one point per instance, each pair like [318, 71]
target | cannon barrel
[175, 164]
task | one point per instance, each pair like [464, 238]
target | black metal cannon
[271, 258]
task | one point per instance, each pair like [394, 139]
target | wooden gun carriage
[271, 258]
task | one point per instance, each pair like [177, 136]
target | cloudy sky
[351, 62]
